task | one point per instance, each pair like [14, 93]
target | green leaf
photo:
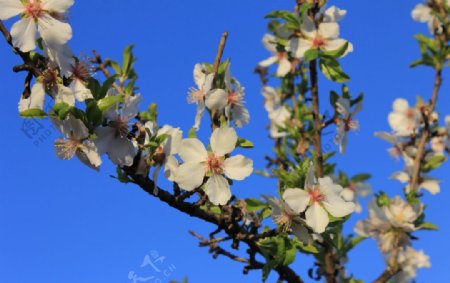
[285, 15]
[62, 110]
[94, 114]
[311, 54]
[332, 70]
[309, 249]
[94, 86]
[115, 66]
[433, 163]
[336, 53]
[255, 204]
[428, 226]
[106, 103]
[244, 143]
[333, 98]
[128, 60]
[354, 242]
[361, 178]
[107, 85]
[33, 113]
[426, 44]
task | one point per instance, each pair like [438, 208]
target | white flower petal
[431, 186]
[59, 6]
[269, 61]
[309, 28]
[296, 199]
[284, 67]
[223, 140]
[192, 150]
[10, 8]
[189, 175]
[65, 95]
[218, 190]
[131, 107]
[170, 168]
[402, 177]
[75, 127]
[80, 91]
[269, 41]
[60, 56]
[216, 99]
[199, 114]
[329, 30]
[35, 100]
[317, 218]
[88, 154]
[53, 31]
[337, 207]
[334, 14]
[421, 13]
[298, 47]
[23, 34]
[400, 105]
[238, 167]
[122, 151]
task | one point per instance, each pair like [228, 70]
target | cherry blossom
[204, 81]
[214, 164]
[45, 16]
[318, 198]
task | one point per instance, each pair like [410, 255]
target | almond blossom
[80, 73]
[355, 189]
[404, 120]
[60, 56]
[410, 260]
[164, 154]
[35, 100]
[76, 142]
[427, 183]
[204, 82]
[45, 16]
[390, 223]
[318, 198]
[280, 57]
[346, 123]
[278, 114]
[325, 37]
[287, 219]
[424, 14]
[214, 164]
[113, 139]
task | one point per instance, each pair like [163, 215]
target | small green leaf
[311, 54]
[428, 226]
[33, 113]
[254, 204]
[360, 178]
[336, 53]
[192, 133]
[106, 103]
[433, 163]
[332, 70]
[62, 110]
[244, 143]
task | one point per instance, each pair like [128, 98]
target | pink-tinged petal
[192, 150]
[296, 199]
[23, 34]
[223, 140]
[10, 8]
[317, 218]
[218, 190]
[238, 167]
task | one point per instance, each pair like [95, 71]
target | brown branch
[103, 66]
[226, 222]
[30, 66]
[426, 133]
[317, 139]
[220, 50]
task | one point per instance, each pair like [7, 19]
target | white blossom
[390, 222]
[164, 154]
[287, 219]
[427, 183]
[278, 114]
[409, 261]
[325, 37]
[355, 190]
[113, 139]
[215, 164]
[204, 81]
[331, 14]
[280, 57]
[76, 142]
[404, 120]
[45, 16]
[60, 56]
[424, 14]
[347, 122]
[318, 199]
[35, 100]
[396, 150]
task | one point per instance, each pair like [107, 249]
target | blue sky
[62, 222]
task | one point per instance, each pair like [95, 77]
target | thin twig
[103, 66]
[220, 50]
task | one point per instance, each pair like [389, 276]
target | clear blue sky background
[62, 222]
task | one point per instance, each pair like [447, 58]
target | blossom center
[121, 126]
[214, 164]
[316, 195]
[281, 55]
[351, 124]
[233, 98]
[81, 72]
[198, 95]
[284, 220]
[318, 42]
[67, 148]
[34, 9]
